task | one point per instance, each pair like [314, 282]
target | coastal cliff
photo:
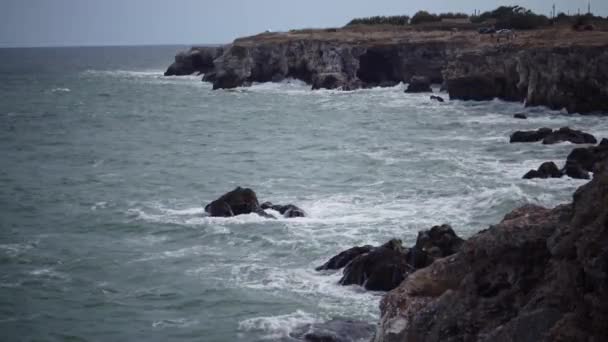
[539, 275]
[556, 68]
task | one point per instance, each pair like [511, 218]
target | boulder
[419, 84]
[520, 116]
[288, 211]
[437, 98]
[571, 135]
[435, 243]
[381, 269]
[236, 202]
[336, 330]
[545, 170]
[530, 136]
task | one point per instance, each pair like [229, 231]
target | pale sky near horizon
[143, 22]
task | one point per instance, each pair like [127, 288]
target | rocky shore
[550, 67]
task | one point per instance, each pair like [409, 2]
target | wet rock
[437, 98]
[381, 269]
[419, 84]
[236, 202]
[545, 170]
[589, 157]
[341, 260]
[571, 135]
[335, 331]
[575, 170]
[288, 211]
[530, 136]
[520, 116]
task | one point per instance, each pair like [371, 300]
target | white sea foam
[174, 323]
[275, 327]
[60, 90]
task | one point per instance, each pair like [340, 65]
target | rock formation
[196, 60]
[539, 275]
[383, 268]
[419, 84]
[245, 201]
[530, 136]
[545, 170]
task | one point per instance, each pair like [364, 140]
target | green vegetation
[381, 20]
[515, 17]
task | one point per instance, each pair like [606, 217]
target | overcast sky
[137, 22]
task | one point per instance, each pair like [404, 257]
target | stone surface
[545, 170]
[530, 136]
[419, 84]
[570, 135]
[539, 275]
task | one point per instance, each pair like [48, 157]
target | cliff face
[575, 77]
[539, 275]
[327, 64]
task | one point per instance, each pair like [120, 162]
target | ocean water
[106, 165]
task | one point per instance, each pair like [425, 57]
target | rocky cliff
[559, 69]
[539, 275]
[573, 77]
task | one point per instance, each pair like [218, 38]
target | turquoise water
[106, 165]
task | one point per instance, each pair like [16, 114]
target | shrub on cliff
[513, 17]
[399, 20]
[424, 17]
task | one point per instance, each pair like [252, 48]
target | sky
[154, 22]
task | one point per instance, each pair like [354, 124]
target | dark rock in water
[539, 275]
[437, 98]
[342, 259]
[335, 331]
[237, 202]
[196, 60]
[381, 269]
[530, 136]
[604, 142]
[589, 157]
[419, 84]
[520, 116]
[289, 210]
[545, 170]
[575, 170]
[571, 135]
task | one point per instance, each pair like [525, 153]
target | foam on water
[280, 326]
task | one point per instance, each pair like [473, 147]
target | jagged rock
[342, 259]
[520, 116]
[571, 135]
[236, 202]
[545, 170]
[437, 98]
[437, 242]
[196, 60]
[539, 275]
[381, 269]
[530, 136]
[335, 331]
[419, 84]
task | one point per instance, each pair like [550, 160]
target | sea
[106, 166]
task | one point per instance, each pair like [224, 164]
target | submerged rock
[530, 136]
[419, 84]
[520, 116]
[437, 98]
[336, 330]
[288, 210]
